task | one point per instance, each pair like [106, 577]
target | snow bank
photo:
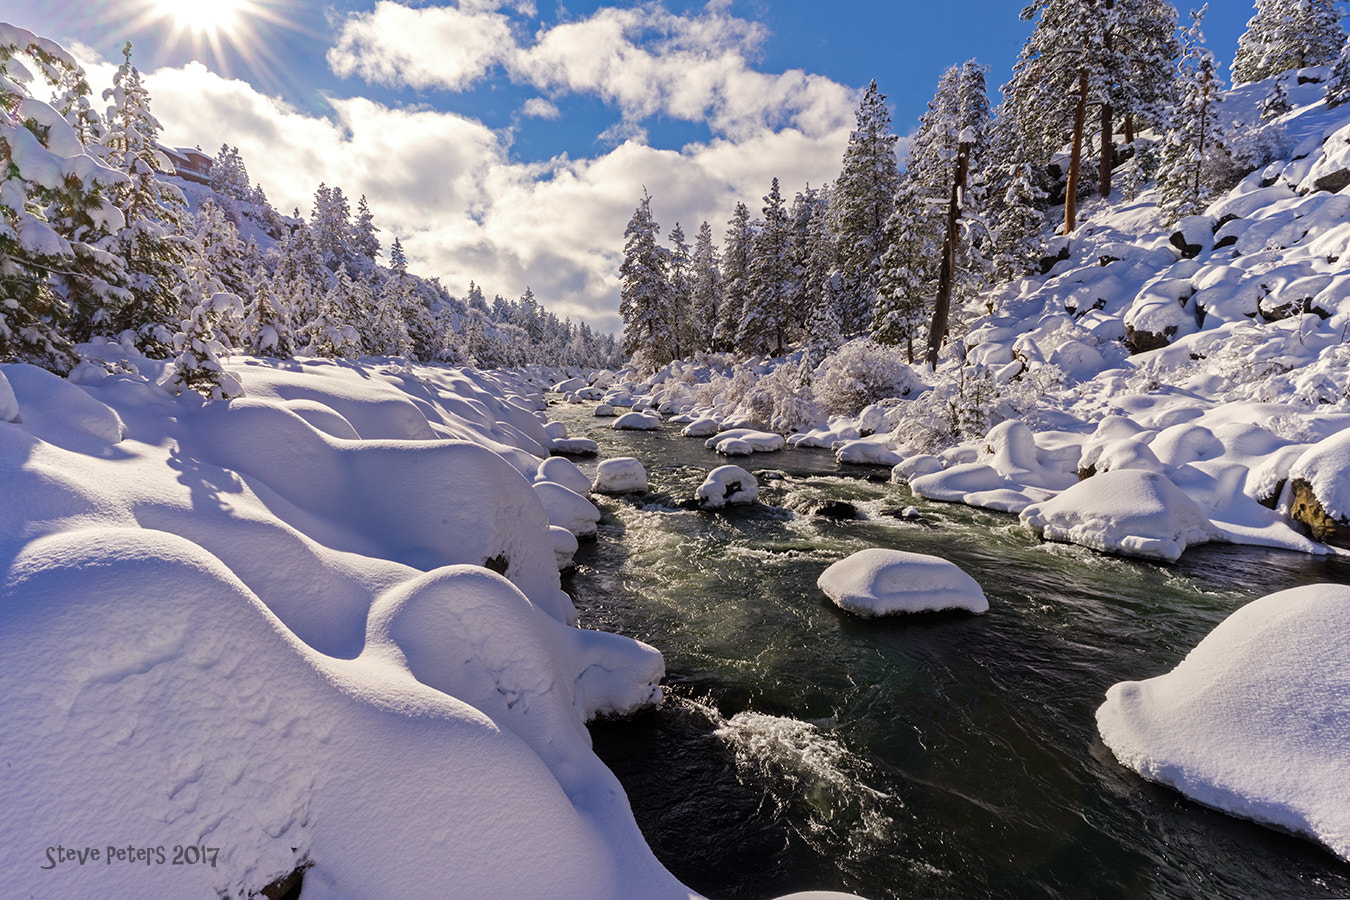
[727, 486]
[564, 472]
[879, 582]
[873, 451]
[621, 475]
[1127, 511]
[225, 625]
[567, 509]
[1252, 721]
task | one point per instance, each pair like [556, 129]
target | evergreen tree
[1276, 103]
[1287, 34]
[682, 290]
[861, 204]
[330, 224]
[198, 350]
[645, 299]
[803, 287]
[1193, 147]
[737, 253]
[705, 289]
[364, 242]
[229, 175]
[268, 330]
[765, 313]
[50, 225]
[1338, 91]
[300, 277]
[153, 242]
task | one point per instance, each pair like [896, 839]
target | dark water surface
[942, 755]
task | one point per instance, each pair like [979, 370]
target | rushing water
[942, 755]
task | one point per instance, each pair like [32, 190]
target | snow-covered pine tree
[861, 204]
[765, 314]
[736, 257]
[1338, 90]
[806, 207]
[682, 290]
[229, 175]
[300, 277]
[364, 242]
[153, 242]
[267, 326]
[332, 332]
[198, 351]
[1287, 34]
[1193, 146]
[1276, 103]
[49, 223]
[645, 299]
[705, 289]
[330, 224]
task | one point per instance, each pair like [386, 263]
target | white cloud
[539, 108]
[441, 46]
[643, 59]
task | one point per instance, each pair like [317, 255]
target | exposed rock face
[1306, 508]
[1143, 341]
[837, 509]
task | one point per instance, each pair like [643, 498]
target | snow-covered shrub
[861, 373]
[1251, 148]
[785, 401]
[965, 402]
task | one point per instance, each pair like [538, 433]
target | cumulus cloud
[464, 209]
[539, 108]
[643, 59]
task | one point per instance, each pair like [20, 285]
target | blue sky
[508, 140]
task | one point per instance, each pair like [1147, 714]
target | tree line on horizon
[1112, 85]
[96, 244]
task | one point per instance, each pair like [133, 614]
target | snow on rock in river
[638, 421]
[1253, 721]
[879, 582]
[225, 626]
[727, 486]
[621, 475]
[1129, 511]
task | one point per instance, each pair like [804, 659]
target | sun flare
[202, 16]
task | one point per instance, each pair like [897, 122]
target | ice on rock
[621, 475]
[637, 421]
[1253, 721]
[1127, 511]
[564, 472]
[568, 509]
[878, 582]
[727, 486]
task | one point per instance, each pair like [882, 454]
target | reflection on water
[941, 755]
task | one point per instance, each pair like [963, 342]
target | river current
[943, 755]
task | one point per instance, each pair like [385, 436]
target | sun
[203, 18]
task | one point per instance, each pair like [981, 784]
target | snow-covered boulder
[734, 447]
[621, 475]
[555, 429]
[868, 452]
[637, 421]
[952, 485]
[1193, 235]
[727, 486]
[571, 385]
[565, 546]
[574, 446]
[915, 466]
[702, 427]
[878, 582]
[565, 472]
[1127, 511]
[605, 411]
[758, 441]
[1010, 449]
[568, 509]
[1253, 721]
[1320, 483]
[827, 437]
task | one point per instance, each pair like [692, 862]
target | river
[944, 755]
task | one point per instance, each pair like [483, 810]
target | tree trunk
[947, 275]
[1076, 156]
[1129, 128]
[1107, 125]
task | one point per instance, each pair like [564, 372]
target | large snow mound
[1253, 721]
[879, 582]
[1128, 511]
[321, 624]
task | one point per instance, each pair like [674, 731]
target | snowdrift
[319, 626]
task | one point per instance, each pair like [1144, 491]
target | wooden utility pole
[947, 274]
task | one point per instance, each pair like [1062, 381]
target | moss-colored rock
[1306, 508]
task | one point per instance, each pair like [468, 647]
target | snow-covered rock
[565, 546]
[878, 582]
[605, 411]
[574, 446]
[568, 509]
[915, 466]
[620, 475]
[727, 486]
[555, 430]
[702, 427]
[564, 472]
[825, 438]
[868, 451]
[1253, 721]
[757, 441]
[637, 421]
[1320, 483]
[1127, 511]
[9, 404]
